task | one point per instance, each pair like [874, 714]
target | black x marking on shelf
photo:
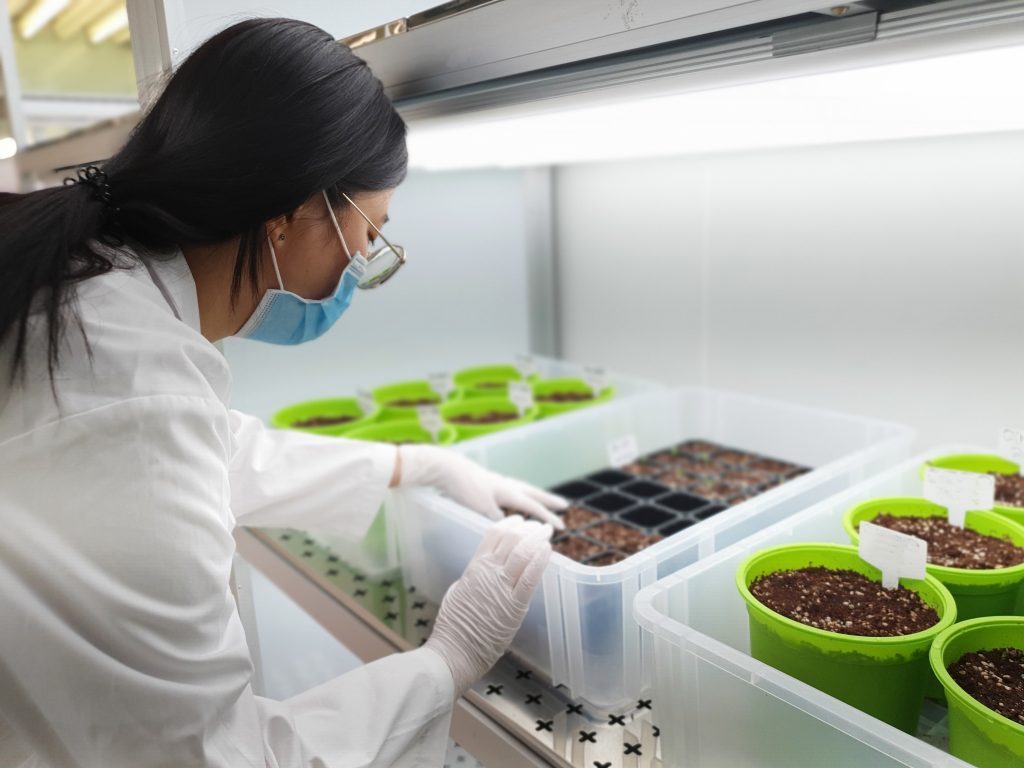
[657, 731]
[419, 605]
[422, 622]
[332, 558]
[599, 764]
[533, 698]
[389, 616]
[590, 736]
[359, 577]
[633, 749]
[494, 689]
[386, 584]
[307, 553]
[545, 725]
[360, 593]
[332, 572]
[616, 719]
[390, 599]
[412, 589]
[423, 640]
[644, 704]
[307, 542]
[574, 709]
[523, 674]
[285, 536]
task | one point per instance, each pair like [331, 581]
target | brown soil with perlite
[995, 678]
[844, 601]
[323, 421]
[955, 547]
[409, 402]
[1010, 490]
[490, 417]
[564, 397]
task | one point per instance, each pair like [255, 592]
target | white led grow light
[975, 92]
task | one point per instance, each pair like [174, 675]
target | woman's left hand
[471, 485]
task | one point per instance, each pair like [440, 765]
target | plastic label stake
[366, 402]
[896, 555]
[959, 492]
[521, 394]
[430, 420]
[442, 383]
[1011, 445]
[622, 451]
[596, 379]
[527, 366]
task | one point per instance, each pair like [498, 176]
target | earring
[281, 236]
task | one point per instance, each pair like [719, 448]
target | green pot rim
[283, 418]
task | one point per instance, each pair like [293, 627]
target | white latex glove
[482, 611]
[471, 485]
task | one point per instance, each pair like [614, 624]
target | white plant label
[366, 402]
[622, 451]
[896, 555]
[430, 420]
[596, 378]
[1011, 445]
[527, 366]
[959, 492]
[521, 394]
[442, 384]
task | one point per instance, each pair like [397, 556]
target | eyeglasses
[383, 262]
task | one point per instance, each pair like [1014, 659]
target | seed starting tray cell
[617, 513]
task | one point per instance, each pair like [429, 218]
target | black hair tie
[95, 177]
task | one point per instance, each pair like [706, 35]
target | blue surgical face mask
[283, 317]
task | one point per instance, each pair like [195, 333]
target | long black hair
[258, 119]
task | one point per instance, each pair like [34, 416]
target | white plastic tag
[596, 378]
[442, 383]
[430, 420]
[622, 451]
[1011, 445]
[959, 492]
[527, 366]
[521, 394]
[366, 402]
[896, 555]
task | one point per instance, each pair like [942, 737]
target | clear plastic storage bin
[580, 628]
[377, 555]
[718, 706]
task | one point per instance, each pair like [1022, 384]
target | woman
[243, 204]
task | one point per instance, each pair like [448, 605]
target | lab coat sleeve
[291, 479]
[122, 644]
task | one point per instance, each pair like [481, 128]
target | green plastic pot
[882, 676]
[982, 463]
[547, 386]
[977, 734]
[338, 406]
[470, 382]
[475, 405]
[405, 431]
[994, 592]
[403, 390]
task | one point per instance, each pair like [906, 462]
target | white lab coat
[120, 642]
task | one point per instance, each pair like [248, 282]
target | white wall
[460, 299]
[883, 279]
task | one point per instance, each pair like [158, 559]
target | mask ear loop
[273, 260]
[337, 227]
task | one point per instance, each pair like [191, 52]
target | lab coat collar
[172, 276]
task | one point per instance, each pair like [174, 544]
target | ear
[277, 227]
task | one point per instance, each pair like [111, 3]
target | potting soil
[995, 678]
[955, 547]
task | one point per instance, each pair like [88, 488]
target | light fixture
[39, 15]
[108, 25]
[14, 7]
[8, 148]
[79, 15]
[958, 94]
[124, 36]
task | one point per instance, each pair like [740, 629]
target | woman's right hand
[483, 610]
